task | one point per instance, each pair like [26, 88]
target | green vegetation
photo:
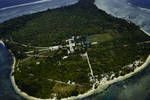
[50, 27]
[74, 69]
[119, 44]
[113, 55]
[101, 37]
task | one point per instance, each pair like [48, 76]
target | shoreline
[125, 10]
[1, 42]
[14, 12]
[101, 87]
[69, 3]
[145, 32]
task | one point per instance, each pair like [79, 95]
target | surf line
[26, 4]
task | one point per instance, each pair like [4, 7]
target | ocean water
[10, 12]
[6, 90]
[131, 10]
[134, 88]
[141, 3]
[8, 3]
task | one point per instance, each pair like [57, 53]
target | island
[71, 50]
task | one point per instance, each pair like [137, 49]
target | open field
[46, 73]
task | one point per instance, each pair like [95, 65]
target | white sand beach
[115, 8]
[123, 9]
[100, 88]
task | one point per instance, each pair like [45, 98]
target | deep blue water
[134, 88]
[141, 3]
[6, 89]
[8, 3]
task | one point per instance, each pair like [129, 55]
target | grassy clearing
[108, 57]
[101, 37]
[74, 69]
[117, 46]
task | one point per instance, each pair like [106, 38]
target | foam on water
[29, 8]
[140, 3]
[119, 8]
[124, 9]
[8, 3]
[6, 90]
[24, 4]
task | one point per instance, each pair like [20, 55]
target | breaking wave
[124, 9]
[26, 4]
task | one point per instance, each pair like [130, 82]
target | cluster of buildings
[75, 43]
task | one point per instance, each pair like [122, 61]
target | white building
[71, 44]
